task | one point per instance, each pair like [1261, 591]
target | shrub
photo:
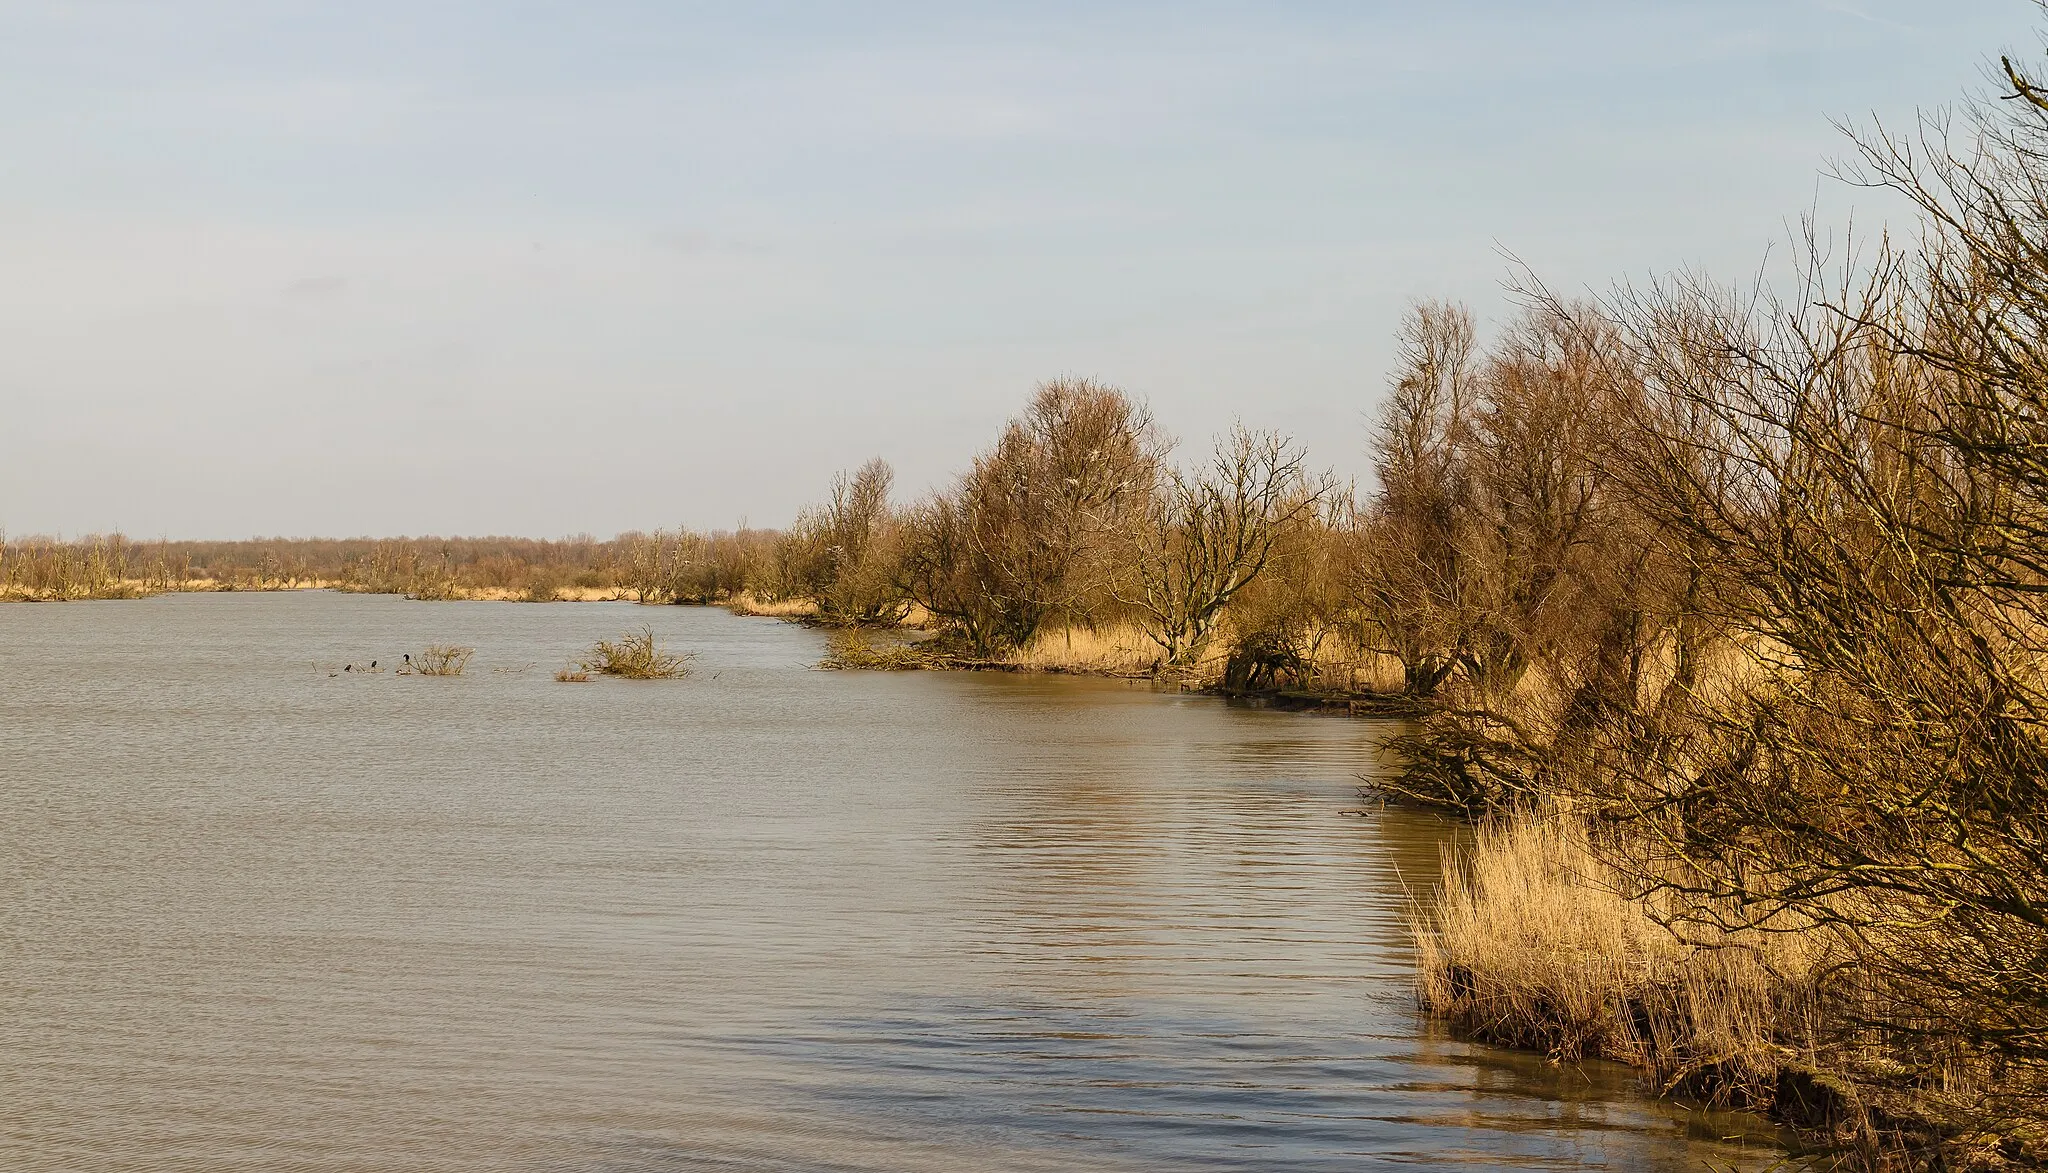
[636, 656]
[442, 660]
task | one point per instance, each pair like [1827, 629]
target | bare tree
[1409, 586]
[1206, 535]
[860, 547]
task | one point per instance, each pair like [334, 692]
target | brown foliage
[1028, 533]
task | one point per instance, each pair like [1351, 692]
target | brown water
[254, 916]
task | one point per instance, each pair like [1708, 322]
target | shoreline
[1352, 703]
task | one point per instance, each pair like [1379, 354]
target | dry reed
[1531, 942]
[1113, 649]
[748, 603]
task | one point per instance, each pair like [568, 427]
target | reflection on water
[257, 917]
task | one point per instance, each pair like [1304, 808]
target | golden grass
[572, 676]
[1120, 649]
[1337, 662]
[745, 603]
[1531, 944]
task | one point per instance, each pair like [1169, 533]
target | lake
[257, 913]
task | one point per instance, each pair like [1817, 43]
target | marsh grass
[636, 656]
[1532, 941]
[442, 660]
[853, 649]
[747, 603]
[1113, 649]
[572, 676]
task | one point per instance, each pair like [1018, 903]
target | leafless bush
[102, 566]
[637, 656]
[1204, 536]
[1839, 725]
[844, 556]
[441, 660]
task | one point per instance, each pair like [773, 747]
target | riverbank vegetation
[1735, 608]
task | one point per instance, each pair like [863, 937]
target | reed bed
[1534, 942]
[748, 603]
[1111, 649]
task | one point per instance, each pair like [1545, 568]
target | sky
[271, 267]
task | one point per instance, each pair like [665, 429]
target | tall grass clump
[636, 656]
[1535, 940]
[1118, 649]
[1532, 942]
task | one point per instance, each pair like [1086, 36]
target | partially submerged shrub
[572, 676]
[636, 656]
[442, 660]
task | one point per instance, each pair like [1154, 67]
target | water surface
[260, 914]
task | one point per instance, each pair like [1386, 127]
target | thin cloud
[316, 287]
[1844, 8]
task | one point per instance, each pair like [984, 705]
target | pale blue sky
[324, 268]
